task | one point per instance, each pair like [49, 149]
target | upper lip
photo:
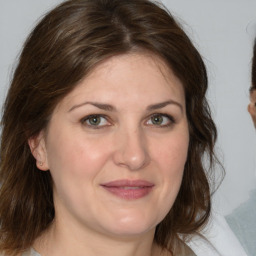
[128, 183]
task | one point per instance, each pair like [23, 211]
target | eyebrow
[108, 107]
[164, 104]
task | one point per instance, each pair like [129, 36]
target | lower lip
[129, 193]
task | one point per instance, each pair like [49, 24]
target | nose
[131, 150]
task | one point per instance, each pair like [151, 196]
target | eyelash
[149, 119]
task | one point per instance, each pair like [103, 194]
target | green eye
[94, 120]
[157, 120]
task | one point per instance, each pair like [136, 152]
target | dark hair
[68, 43]
[253, 71]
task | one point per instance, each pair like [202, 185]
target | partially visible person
[252, 104]
[243, 219]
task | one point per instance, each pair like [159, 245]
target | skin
[252, 107]
[134, 138]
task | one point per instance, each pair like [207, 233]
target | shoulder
[201, 246]
[245, 213]
[29, 252]
[243, 224]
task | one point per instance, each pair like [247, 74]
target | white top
[220, 240]
[31, 252]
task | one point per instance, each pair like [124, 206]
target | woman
[104, 131]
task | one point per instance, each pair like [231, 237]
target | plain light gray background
[223, 32]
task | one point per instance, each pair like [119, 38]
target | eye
[162, 120]
[95, 121]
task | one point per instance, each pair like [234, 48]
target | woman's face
[116, 147]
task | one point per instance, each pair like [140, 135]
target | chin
[129, 232]
[131, 226]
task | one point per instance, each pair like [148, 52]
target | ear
[38, 149]
[251, 109]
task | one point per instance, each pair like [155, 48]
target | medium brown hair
[68, 43]
[253, 71]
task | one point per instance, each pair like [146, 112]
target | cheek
[172, 153]
[75, 162]
[171, 158]
[74, 152]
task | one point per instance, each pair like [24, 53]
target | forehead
[133, 76]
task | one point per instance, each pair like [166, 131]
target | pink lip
[129, 189]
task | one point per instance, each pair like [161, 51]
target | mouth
[129, 189]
